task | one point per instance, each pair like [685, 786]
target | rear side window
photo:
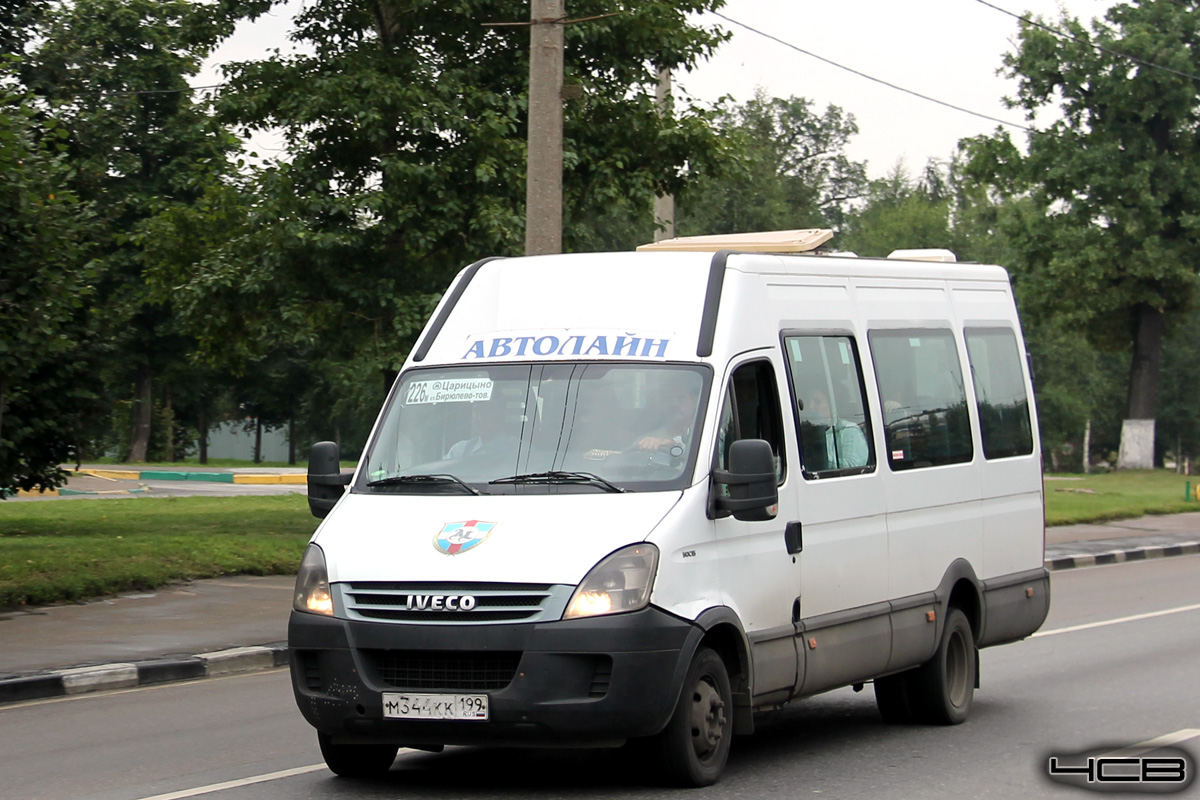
[829, 404]
[924, 401]
[1000, 391]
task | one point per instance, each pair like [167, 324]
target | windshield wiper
[439, 477]
[560, 477]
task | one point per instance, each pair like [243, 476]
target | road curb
[79, 680]
[1122, 556]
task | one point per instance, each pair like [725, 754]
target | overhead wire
[1030, 21]
[888, 84]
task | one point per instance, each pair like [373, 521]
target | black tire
[357, 760]
[893, 698]
[942, 688]
[695, 744]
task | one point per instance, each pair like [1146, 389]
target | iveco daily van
[645, 495]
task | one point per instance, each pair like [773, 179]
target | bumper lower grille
[444, 671]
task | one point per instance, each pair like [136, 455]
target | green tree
[787, 169]
[47, 351]
[18, 21]
[1179, 409]
[115, 73]
[1116, 181]
[405, 126]
[900, 213]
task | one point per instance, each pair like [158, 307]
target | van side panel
[933, 513]
[1012, 511]
[1014, 606]
[845, 558]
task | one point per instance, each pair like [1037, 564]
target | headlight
[620, 582]
[312, 584]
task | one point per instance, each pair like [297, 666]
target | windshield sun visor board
[435, 327]
[712, 304]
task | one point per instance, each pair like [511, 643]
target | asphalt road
[1115, 664]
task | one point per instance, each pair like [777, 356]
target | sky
[949, 50]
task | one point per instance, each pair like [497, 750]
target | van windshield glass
[517, 427]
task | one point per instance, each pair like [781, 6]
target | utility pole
[664, 205]
[543, 185]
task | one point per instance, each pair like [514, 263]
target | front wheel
[357, 760]
[695, 744]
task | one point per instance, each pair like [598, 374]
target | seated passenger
[845, 442]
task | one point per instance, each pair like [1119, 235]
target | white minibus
[645, 496]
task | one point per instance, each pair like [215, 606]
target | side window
[751, 411]
[830, 404]
[924, 400]
[1000, 391]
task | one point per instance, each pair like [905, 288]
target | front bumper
[596, 681]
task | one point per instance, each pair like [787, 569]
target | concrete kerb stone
[98, 678]
[1122, 556]
[78, 680]
[237, 660]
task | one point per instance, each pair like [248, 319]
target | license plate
[435, 706]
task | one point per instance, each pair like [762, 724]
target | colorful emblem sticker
[459, 537]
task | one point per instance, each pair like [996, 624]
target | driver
[492, 433]
[675, 426]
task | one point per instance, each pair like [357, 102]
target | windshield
[538, 427]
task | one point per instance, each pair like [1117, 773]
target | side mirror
[753, 493]
[326, 483]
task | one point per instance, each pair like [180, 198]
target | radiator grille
[451, 603]
[445, 670]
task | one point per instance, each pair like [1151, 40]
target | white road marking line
[1150, 745]
[220, 787]
[1103, 623]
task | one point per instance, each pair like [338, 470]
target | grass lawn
[1072, 499]
[63, 550]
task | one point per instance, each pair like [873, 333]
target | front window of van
[560, 427]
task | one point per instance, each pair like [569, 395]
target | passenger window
[829, 404]
[751, 411]
[1000, 392]
[924, 401]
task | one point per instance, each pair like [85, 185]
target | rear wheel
[943, 687]
[357, 760]
[695, 745]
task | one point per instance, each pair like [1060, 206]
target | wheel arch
[960, 588]
[723, 633]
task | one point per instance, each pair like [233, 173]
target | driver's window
[750, 410]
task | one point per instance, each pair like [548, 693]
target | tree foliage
[405, 125]
[900, 212]
[115, 73]
[1116, 177]
[47, 355]
[787, 168]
